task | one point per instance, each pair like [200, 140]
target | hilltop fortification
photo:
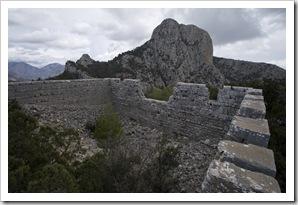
[236, 117]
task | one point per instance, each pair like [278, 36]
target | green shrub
[39, 157]
[123, 169]
[89, 174]
[18, 174]
[160, 93]
[42, 159]
[66, 75]
[53, 178]
[213, 91]
[157, 174]
[13, 105]
[108, 128]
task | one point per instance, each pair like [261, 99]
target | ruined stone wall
[67, 92]
[243, 163]
[189, 112]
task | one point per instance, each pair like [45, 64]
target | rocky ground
[194, 157]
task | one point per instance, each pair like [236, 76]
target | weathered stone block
[253, 97]
[230, 95]
[254, 91]
[251, 157]
[249, 131]
[252, 109]
[191, 91]
[226, 177]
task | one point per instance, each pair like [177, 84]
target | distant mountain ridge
[21, 71]
[175, 52]
[239, 70]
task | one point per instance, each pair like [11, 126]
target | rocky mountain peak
[167, 29]
[174, 53]
[169, 21]
[72, 67]
[172, 35]
[85, 60]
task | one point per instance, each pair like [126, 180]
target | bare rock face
[177, 39]
[175, 53]
[72, 67]
[85, 60]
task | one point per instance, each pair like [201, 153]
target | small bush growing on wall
[213, 92]
[160, 93]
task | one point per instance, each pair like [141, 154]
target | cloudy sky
[43, 36]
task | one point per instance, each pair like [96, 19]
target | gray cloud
[39, 36]
[82, 28]
[130, 24]
[224, 25]
[55, 35]
[27, 17]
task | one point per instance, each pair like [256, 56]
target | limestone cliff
[74, 68]
[175, 52]
[85, 60]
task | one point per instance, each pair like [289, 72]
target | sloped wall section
[67, 92]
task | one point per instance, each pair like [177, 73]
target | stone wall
[189, 112]
[69, 92]
[243, 163]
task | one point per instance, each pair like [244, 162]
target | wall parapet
[243, 163]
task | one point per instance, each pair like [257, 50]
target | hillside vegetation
[44, 159]
[160, 93]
